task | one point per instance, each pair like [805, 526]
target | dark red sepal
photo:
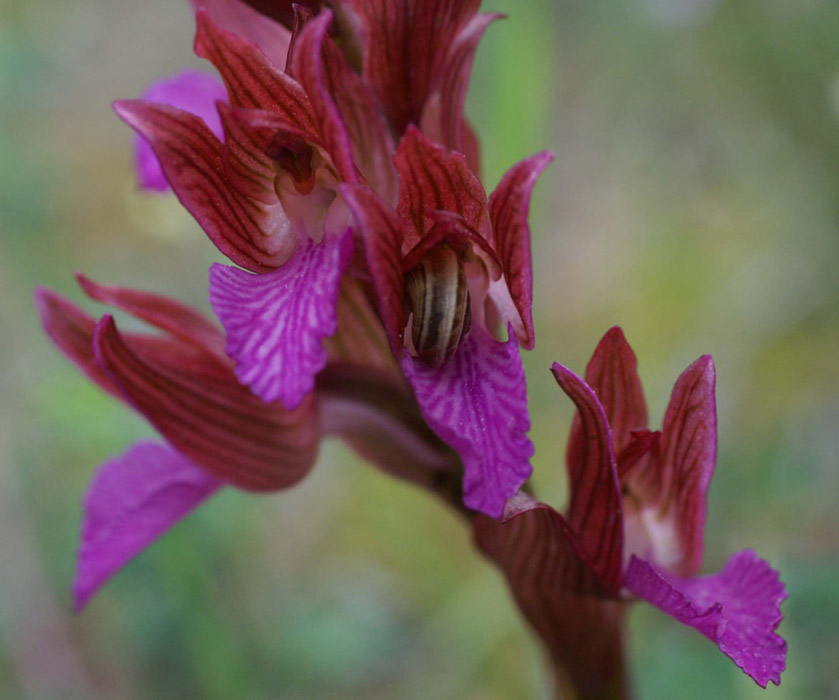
[435, 178]
[195, 401]
[595, 511]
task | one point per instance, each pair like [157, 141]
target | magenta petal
[132, 500]
[276, 322]
[737, 608]
[190, 91]
[477, 403]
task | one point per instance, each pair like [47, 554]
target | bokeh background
[694, 200]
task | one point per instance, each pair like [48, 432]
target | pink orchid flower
[217, 432]
[633, 528]
[447, 265]
[299, 190]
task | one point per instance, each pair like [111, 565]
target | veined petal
[178, 320]
[412, 43]
[561, 597]
[688, 456]
[612, 372]
[509, 205]
[477, 403]
[317, 73]
[276, 322]
[470, 147]
[738, 609]
[131, 502]
[252, 24]
[71, 330]
[195, 401]
[537, 549]
[192, 160]
[246, 166]
[383, 233]
[442, 118]
[435, 178]
[251, 80]
[594, 511]
[191, 91]
[353, 126]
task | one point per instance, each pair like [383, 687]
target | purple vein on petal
[737, 608]
[477, 403]
[276, 322]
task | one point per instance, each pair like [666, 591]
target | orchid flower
[633, 529]
[217, 432]
[308, 163]
[447, 265]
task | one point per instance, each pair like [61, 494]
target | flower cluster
[378, 294]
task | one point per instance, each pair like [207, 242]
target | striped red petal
[353, 128]
[195, 401]
[412, 44]
[72, 332]
[177, 319]
[508, 210]
[247, 133]
[612, 372]
[383, 233]
[316, 76]
[433, 177]
[561, 597]
[443, 115]
[251, 80]
[688, 456]
[192, 159]
[594, 512]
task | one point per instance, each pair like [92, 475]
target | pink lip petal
[477, 403]
[131, 502]
[737, 608]
[276, 322]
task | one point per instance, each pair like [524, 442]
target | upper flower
[448, 265]
[635, 518]
[307, 158]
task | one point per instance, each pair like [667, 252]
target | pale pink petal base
[191, 91]
[738, 609]
[132, 500]
[276, 322]
[477, 403]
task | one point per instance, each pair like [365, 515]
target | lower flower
[632, 530]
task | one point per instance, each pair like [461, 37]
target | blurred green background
[694, 200]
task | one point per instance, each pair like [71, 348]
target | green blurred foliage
[693, 200]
